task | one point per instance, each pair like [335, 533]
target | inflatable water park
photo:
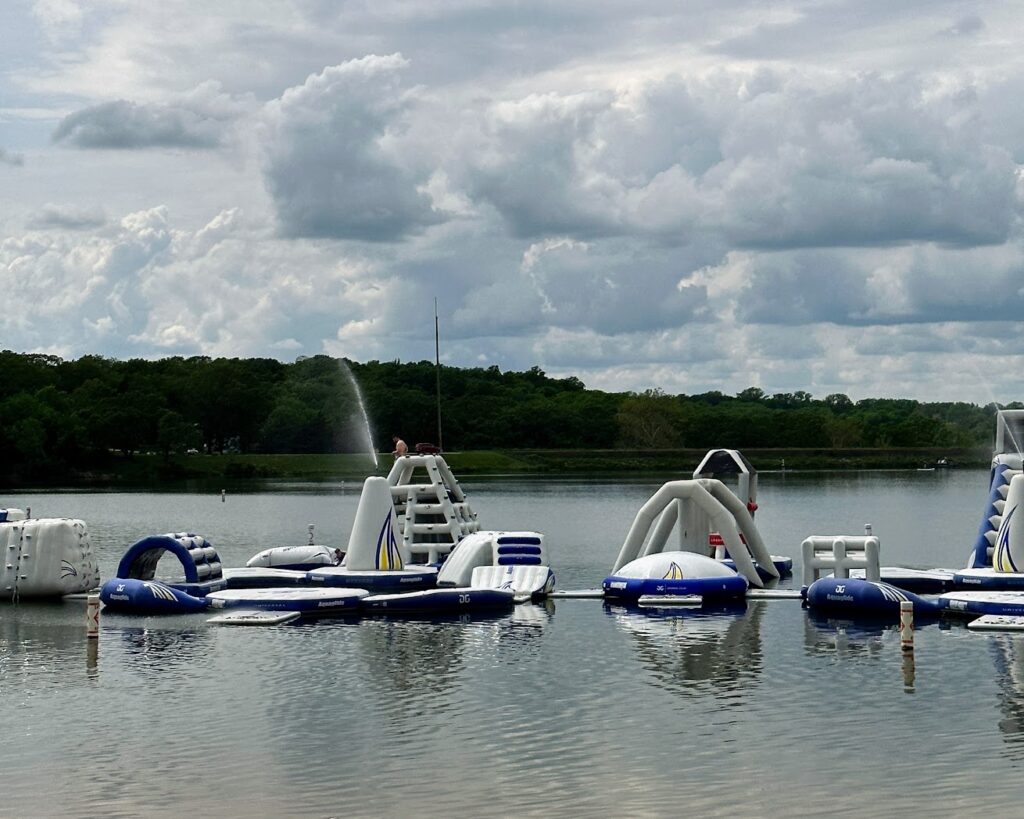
[417, 549]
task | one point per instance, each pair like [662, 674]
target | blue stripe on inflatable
[439, 600]
[854, 597]
[524, 549]
[200, 589]
[378, 581]
[1011, 605]
[996, 581]
[710, 588]
[533, 541]
[319, 600]
[148, 597]
[519, 560]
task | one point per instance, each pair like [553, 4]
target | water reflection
[694, 652]
[824, 635]
[44, 642]
[412, 662]
[1008, 651]
[160, 650]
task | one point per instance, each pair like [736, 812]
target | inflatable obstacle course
[499, 560]
[432, 511]
[199, 562]
[44, 557]
[376, 557]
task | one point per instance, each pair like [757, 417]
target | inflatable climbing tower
[433, 513]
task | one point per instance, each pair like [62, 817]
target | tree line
[78, 414]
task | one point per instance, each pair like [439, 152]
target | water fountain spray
[362, 409]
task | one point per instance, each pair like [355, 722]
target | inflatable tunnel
[199, 561]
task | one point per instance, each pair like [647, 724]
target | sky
[822, 196]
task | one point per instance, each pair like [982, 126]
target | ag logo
[840, 589]
[120, 587]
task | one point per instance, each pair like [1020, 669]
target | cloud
[142, 287]
[68, 217]
[820, 196]
[966, 26]
[773, 160]
[9, 158]
[197, 120]
[334, 160]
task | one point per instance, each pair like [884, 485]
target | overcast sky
[821, 196]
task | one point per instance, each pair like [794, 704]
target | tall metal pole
[437, 373]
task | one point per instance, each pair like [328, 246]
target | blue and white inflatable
[307, 601]
[864, 598]
[200, 562]
[440, 601]
[675, 573]
[499, 560]
[376, 558]
[998, 558]
[980, 603]
[148, 597]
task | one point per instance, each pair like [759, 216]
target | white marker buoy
[92, 616]
[906, 625]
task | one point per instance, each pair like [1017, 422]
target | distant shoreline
[142, 471]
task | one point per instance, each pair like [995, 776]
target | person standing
[400, 447]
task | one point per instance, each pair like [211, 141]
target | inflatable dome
[676, 573]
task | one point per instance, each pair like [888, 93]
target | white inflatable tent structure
[696, 508]
[433, 513]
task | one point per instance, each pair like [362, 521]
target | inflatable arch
[698, 507]
[199, 560]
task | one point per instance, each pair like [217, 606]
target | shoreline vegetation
[96, 421]
[236, 469]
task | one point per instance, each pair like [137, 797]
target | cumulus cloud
[770, 161]
[334, 159]
[811, 196]
[196, 120]
[141, 286]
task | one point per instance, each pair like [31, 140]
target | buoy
[92, 616]
[907, 625]
[223, 495]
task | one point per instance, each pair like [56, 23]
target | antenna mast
[437, 374]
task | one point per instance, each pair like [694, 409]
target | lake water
[572, 708]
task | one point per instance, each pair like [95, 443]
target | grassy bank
[154, 470]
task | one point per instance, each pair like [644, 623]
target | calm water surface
[571, 708]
